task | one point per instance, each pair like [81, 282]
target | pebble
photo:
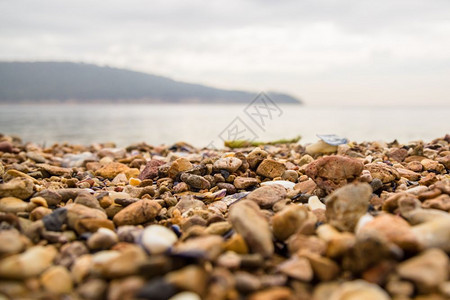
[231, 164]
[137, 213]
[359, 289]
[255, 157]
[297, 268]
[266, 196]
[290, 175]
[157, 239]
[243, 183]
[151, 169]
[270, 168]
[179, 165]
[195, 181]
[383, 172]
[332, 172]
[112, 169]
[12, 205]
[288, 221]
[11, 242]
[315, 203]
[185, 296]
[320, 147]
[57, 280]
[288, 185]
[104, 238]
[21, 188]
[434, 233]
[426, 270]
[251, 225]
[346, 205]
[30, 263]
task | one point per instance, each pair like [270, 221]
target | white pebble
[157, 239]
[289, 185]
[315, 203]
[363, 221]
[185, 296]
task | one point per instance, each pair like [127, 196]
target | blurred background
[165, 71]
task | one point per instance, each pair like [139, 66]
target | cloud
[322, 51]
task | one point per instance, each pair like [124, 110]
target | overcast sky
[322, 51]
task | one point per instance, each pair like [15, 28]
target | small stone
[157, 239]
[12, 205]
[383, 172]
[408, 174]
[427, 270]
[102, 239]
[76, 212]
[93, 289]
[335, 171]
[288, 221]
[151, 169]
[52, 197]
[288, 185]
[346, 205]
[297, 268]
[134, 181]
[441, 202]
[191, 278]
[395, 229]
[179, 165]
[324, 268]
[111, 170]
[434, 233]
[207, 246]
[70, 252]
[274, 293]
[270, 168]
[290, 175]
[87, 199]
[359, 289]
[55, 220]
[30, 263]
[231, 164]
[6, 146]
[398, 154]
[57, 280]
[246, 282]
[431, 165]
[11, 242]
[185, 296]
[315, 203]
[243, 183]
[21, 188]
[195, 181]
[115, 264]
[255, 157]
[306, 187]
[137, 213]
[236, 244]
[157, 289]
[266, 196]
[92, 225]
[126, 288]
[248, 222]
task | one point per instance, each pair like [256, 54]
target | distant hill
[65, 81]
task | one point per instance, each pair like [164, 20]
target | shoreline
[285, 221]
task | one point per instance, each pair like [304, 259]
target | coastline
[285, 221]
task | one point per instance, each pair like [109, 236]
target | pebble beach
[359, 220]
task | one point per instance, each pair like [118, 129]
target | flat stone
[306, 187]
[137, 213]
[52, 197]
[231, 164]
[191, 278]
[251, 225]
[243, 183]
[208, 247]
[115, 264]
[266, 196]
[255, 157]
[271, 168]
[346, 205]
[335, 171]
[21, 188]
[76, 212]
[426, 270]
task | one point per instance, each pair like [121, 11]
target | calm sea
[203, 125]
